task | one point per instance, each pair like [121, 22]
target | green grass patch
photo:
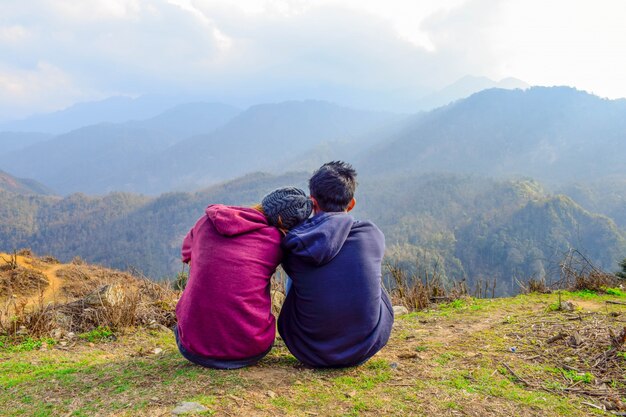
[585, 377]
[26, 344]
[99, 334]
[616, 292]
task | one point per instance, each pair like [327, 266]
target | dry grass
[417, 293]
[88, 297]
[20, 280]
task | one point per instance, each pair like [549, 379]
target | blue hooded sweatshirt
[336, 313]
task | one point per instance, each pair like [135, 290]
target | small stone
[567, 306]
[63, 343]
[70, 336]
[188, 407]
[393, 365]
[56, 333]
[575, 340]
[350, 394]
[157, 351]
[22, 330]
[400, 310]
[91, 344]
[271, 394]
[154, 399]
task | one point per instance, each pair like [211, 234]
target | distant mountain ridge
[22, 185]
[86, 159]
[116, 109]
[556, 134]
[188, 147]
[464, 88]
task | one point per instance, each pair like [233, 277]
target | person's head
[332, 187]
[286, 207]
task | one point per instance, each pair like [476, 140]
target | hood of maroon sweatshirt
[233, 221]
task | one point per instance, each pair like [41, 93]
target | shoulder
[367, 226]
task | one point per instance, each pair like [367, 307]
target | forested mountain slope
[455, 226]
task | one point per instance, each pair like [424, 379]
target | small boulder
[108, 296]
[400, 310]
[188, 407]
[567, 306]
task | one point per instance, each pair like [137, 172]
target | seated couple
[336, 313]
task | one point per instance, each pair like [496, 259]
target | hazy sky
[56, 52]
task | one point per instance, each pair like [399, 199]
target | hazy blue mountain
[264, 137]
[190, 119]
[554, 134]
[84, 159]
[602, 195]
[21, 185]
[15, 141]
[113, 110]
[464, 88]
[89, 159]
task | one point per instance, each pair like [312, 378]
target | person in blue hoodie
[336, 313]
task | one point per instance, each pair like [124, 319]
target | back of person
[224, 312]
[336, 312]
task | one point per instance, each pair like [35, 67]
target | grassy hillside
[451, 360]
[62, 353]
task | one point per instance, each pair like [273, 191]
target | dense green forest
[455, 226]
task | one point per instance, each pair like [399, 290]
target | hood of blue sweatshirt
[319, 239]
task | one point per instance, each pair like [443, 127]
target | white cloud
[44, 87]
[388, 51]
[13, 34]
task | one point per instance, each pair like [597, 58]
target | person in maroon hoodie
[224, 314]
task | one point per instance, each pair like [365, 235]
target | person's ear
[351, 205]
[316, 206]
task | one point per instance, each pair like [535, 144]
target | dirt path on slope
[52, 291]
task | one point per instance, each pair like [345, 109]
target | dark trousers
[217, 363]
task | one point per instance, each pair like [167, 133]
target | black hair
[333, 186]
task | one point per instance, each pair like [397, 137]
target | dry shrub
[80, 280]
[20, 281]
[49, 259]
[114, 306]
[417, 293]
[594, 281]
[577, 273]
[26, 252]
[96, 297]
[534, 285]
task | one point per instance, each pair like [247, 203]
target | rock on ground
[188, 407]
[400, 310]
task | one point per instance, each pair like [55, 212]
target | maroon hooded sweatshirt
[225, 309]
